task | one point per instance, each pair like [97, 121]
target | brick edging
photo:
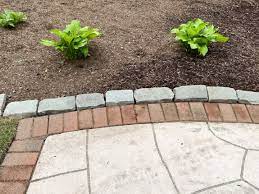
[18, 165]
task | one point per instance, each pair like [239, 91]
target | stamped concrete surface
[166, 158]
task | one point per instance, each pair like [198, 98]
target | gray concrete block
[248, 97]
[21, 109]
[2, 103]
[191, 93]
[150, 95]
[222, 94]
[119, 97]
[85, 101]
[57, 105]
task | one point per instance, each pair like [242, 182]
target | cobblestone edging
[18, 165]
[121, 97]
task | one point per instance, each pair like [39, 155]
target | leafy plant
[9, 18]
[196, 35]
[73, 40]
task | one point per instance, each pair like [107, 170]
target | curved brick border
[19, 163]
[188, 93]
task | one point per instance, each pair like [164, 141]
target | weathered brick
[170, 112]
[17, 173]
[213, 112]
[24, 129]
[85, 119]
[13, 187]
[156, 113]
[70, 121]
[142, 113]
[184, 111]
[40, 126]
[56, 123]
[254, 112]
[227, 112]
[100, 117]
[20, 159]
[198, 111]
[114, 115]
[28, 145]
[128, 114]
[241, 113]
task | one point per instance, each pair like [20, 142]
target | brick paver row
[18, 165]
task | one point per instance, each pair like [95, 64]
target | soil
[136, 49]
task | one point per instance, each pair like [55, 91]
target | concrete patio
[166, 158]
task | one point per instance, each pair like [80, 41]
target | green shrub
[73, 40]
[196, 35]
[9, 18]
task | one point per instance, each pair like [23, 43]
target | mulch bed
[135, 51]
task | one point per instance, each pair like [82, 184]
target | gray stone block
[22, 109]
[248, 97]
[119, 97]
[191, 93]
[222, 94]
[2, 103]
[57, 105]
[150, 95]
[85, 101]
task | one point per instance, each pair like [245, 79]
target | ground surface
[151, 158]
[135, 50]
[7, 133]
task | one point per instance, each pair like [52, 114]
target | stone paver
[222, 94]
[73, 183]
[251, 168]
[62, 153]
[241, 134]
[151, 95]
[191, 93]
[195, 157]
[93, 100]
[119, 97]
[134, 167]
[21, 109]
[2, 103]
[57, 105]
[248, 97]
[239, 187]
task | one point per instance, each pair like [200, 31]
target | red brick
[13, 187]
[241, 113]
[40, 126]
[28, 145]
[213, 112]
[156, 113]
[17, 173]
[56, 123]
[170, 112]
[184, 111]
[70, 121]
[128, 114]
[142, 113]
[114, 115]
[227, 112]
[198, 111]
[254, 112]
[22, 159]
[24, 129]
[100, 117]
[85, 119]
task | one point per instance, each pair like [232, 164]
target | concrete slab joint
[119, 97]
[191, 93]
[57, 105]
[150, 95]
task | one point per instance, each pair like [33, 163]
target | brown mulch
[136, 49]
